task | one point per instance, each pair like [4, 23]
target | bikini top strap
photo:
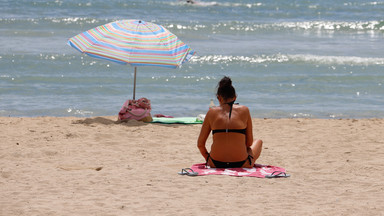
[231, 105]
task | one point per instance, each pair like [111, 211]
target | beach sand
[95, 166]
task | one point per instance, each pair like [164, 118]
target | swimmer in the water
[201, 3]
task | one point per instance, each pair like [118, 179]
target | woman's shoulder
[243, 111]
[241, 107]
[212, 111]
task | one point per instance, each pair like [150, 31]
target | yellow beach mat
[177, 120]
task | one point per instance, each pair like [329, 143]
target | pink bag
[135, 109]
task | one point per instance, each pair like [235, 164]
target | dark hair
[225, 88]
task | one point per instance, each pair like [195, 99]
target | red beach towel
[259, 171]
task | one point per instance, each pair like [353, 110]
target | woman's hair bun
[226, 81]
[225, 88]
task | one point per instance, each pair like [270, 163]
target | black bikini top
[242, 131]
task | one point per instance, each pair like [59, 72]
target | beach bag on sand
[139, 110]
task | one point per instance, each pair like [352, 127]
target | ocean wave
[281, 58]
[218, 3]
[198, 3]
[329, 25]
[366, 3]
[215, 59]
[11, 22]
[216, 27]
[239, 26]
[310, 5]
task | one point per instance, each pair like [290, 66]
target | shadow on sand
[108, 121]
[114, 121]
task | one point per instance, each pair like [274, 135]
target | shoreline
[111, 117]
[93, 166]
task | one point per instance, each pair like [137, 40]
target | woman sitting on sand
[231, 126]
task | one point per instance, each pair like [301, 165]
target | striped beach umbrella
[133, 42]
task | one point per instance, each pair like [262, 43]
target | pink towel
[259, 171]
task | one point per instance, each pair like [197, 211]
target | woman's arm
[249, 132]
[204, 133]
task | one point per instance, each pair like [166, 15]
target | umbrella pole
[134, 85]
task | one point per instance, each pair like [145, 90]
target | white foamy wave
[55, 21]
[332, 25]
[340, 60]
[219, 27]
[311, 25]
[371, 3]
[79, 112]
[216, 3]
[241, 26]
[216, 59]
[280, 58]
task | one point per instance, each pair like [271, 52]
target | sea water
[296, 58]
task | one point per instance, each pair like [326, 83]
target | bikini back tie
[230, 109]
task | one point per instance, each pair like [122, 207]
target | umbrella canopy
[133, 42]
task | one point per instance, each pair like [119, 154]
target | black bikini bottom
[220, 164]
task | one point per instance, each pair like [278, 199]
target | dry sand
[94, 166]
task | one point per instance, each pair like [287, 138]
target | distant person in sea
[231, 126]
[200, 3]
